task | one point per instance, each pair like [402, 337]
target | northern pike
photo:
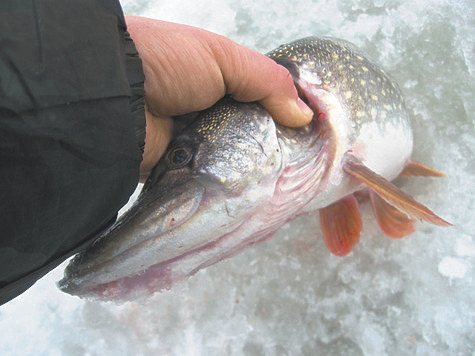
[234, 176]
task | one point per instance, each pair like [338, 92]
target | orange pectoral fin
[393, 222]
[341, 225]
[390, 193]
[415, 169]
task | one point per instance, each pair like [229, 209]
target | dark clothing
[72, 127]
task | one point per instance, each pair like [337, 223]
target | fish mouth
[144, 233]
[157, 277]
[177, 248]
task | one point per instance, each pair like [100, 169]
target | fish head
[212, 178]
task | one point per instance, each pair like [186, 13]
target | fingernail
[307, 113]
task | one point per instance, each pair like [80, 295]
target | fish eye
[178, 157]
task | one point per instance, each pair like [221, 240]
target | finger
[251, 76]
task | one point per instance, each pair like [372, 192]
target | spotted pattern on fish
[208, 127]
[232, 150]
[338, 67]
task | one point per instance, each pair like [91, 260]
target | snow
[453, 267]
[289, 295]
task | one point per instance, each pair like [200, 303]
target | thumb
[251, 76]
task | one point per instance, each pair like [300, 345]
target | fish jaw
[176, 249]
[123, 249]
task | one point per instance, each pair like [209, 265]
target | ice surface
[289, 296]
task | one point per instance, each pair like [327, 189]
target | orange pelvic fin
[415, 169]
[341, 225]
[393, 222]
[390, 193]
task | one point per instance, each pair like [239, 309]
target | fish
[233, 177]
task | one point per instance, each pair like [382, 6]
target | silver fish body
[233, 177]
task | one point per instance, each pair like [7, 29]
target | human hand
[188, 69]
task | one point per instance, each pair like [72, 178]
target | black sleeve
[72, 128]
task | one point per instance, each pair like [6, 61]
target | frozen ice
[289, 295]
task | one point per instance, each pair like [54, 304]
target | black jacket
[72, 128]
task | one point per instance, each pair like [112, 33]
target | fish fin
[392, 221]
[415, 169]
[389, 192]
[341, 225]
